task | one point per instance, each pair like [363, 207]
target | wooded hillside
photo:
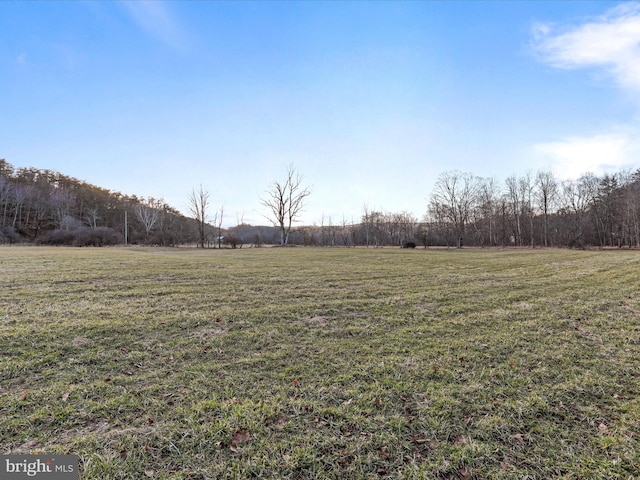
[48, 207]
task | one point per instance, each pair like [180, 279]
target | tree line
[532, 210]
[535, 209]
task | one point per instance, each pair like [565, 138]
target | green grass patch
[322, 363]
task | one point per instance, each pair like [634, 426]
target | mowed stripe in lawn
[322, 363]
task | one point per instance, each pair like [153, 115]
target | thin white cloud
[599, 154]
[611, 42]
[155, 18]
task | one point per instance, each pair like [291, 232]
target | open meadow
[310, 363]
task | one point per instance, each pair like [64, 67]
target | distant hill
[47, 207]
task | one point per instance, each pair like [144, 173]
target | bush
[9, 235]
[81, 237]
[97, 237]
[56, 237]
[409, 245]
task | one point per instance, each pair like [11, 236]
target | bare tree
[486, 211]
[329, 235]
[198, 207]
[323, 236]
[60, 202]
[577, 197]
[148, 214]
[515, 202]
[285, 201]
[374, 223]
[526, 186]
[406, 227]
[37, 209]
[423, 232]
[546, 195]
[631, 209]
[220, 225]
[346, 231]
[366, 221]
[5, 194]
[92, 216]
[453, 198]
[19, 200]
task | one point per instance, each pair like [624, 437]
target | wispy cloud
[157, 20]
[574, 156]
[610, 41]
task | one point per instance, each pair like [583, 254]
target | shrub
[9, 235]
[57, 237]
[96, 237]
[81, 237]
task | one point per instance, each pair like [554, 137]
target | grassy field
[323, 363]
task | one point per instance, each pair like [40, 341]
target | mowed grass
[323, 363]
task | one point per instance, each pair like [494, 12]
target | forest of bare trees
[532, 210]
[536, 210]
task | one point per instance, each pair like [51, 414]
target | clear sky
[370, 101]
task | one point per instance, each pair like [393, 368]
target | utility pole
[126, 228]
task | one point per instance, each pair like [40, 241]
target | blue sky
[370, 101]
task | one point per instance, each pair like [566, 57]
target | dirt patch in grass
[81, 342]
[207, 332]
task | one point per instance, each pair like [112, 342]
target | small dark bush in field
[409, 245]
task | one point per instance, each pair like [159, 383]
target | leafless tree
[60, 202]
[374, 226]
[37, 209]
[486, 211]
[631, 209]
[526, 185]
[346, 231]
[285, 201]
[547, 192]
[19, 200]
[577, 197]
[148, 214]
[198, 207]
[406, 226]
[453, 198]
[423, 232]
[92, 216]
[323, 233]
[330, 233]
[220, 225]
[366, 221]
[515, 204]
[391, 227]
[5, 194]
